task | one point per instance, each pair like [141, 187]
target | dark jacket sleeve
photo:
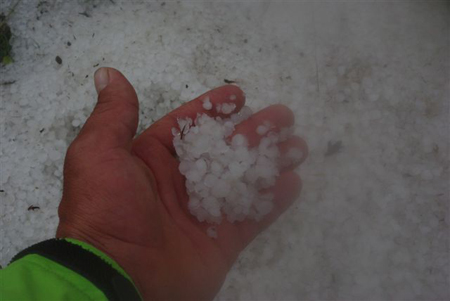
[65, 269]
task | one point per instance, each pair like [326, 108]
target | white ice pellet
[262, 129]
[233, 97]
[200, 165]
[207, 103]
[76, 123]
[239, 140]
[210, 180]
[227, 108]
[54, 155]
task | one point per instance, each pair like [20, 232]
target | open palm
[125, 195]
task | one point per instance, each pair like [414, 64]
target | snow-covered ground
[368, 81]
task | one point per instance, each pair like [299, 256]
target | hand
[126, 197]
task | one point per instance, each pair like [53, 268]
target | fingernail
[101, 79]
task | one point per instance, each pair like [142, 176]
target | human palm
[126, 196]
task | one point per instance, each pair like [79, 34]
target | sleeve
[65, 269]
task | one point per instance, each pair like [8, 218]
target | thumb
[114, 121]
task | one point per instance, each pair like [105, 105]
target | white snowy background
[369, 84]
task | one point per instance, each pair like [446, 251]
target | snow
[372, 221]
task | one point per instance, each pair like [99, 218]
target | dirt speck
[7, 83]
[333, 148]
[85, 14]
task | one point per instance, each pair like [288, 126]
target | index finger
[207, 103]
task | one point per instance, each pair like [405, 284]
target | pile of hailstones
[223, 175]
